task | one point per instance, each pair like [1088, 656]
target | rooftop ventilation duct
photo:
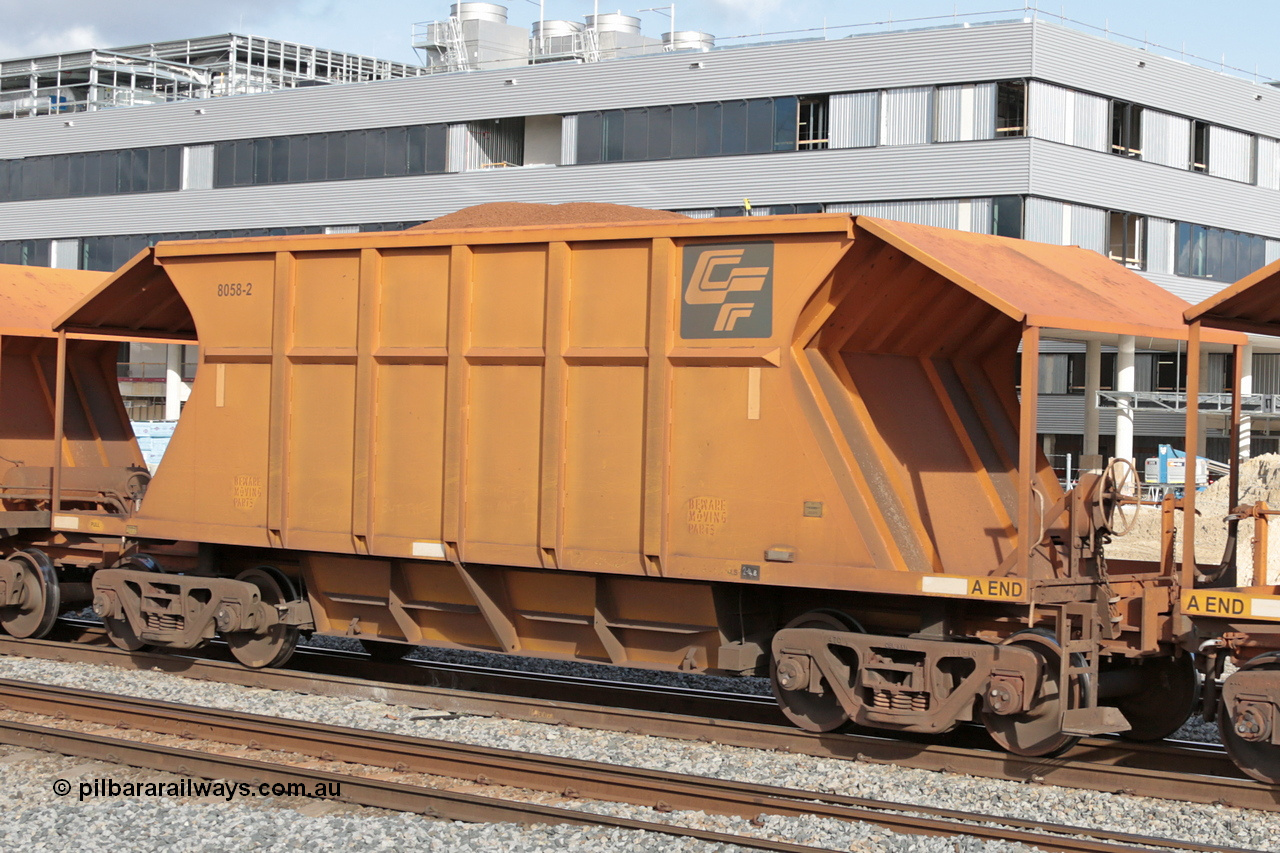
[688, 40]
[613, 22]
[491, 12]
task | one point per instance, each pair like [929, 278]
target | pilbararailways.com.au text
[96, 788]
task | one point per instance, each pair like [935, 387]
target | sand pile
[510, 214]
[1259, 481]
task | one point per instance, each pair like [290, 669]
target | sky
[1241, 34]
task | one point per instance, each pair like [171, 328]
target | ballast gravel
[79, 822]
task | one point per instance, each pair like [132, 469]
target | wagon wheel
[1258, 758]
[35, 616]
[276, 644]
[384, 651]
[1117, 507]
[1038, 731]
[1169, 692]
[814, 712]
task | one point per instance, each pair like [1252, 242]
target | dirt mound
[1259, 481]
[509, 214]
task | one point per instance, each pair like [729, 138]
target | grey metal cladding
[875, 61]
[906, 116]
[941, 213]
[1268, 163]
[1042, 220]
[1049, 112]
[1166, 139]
[197, 167]
[854, 119]
[569, 140]
[1064, 115]
[1120, 183]
[1194, 290]
[950, 112]
[1064, 414]
[1088, 228]
[952, 170]
[1160, 245]
[1230, 154]
[1087, 62]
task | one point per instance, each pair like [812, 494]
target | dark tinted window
[613, 129]
[635, 135]
[684, 130]
[659, 133]
[340, 155]
[31, 253]
[396, 162]
[590, 137]
[733, 127]
[1006, 216]
[437, 148]
[709, 139]
[1221, 255]
[759, 125]
[1011, 108]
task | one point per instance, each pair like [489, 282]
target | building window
[811, 127]
[1011, 108]
[751, 126]
[1126, 129]
[1218, 254]
[1054, 373]
[380, 152]
[1006, 216]
[1127, 239]
[1199, 146]
[92, 173]
[1106, 373]
[28, 253]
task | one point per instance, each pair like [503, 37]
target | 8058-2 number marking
[236, 289]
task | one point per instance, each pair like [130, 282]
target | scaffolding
[209, 67]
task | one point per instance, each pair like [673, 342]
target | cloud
[55, 26]
[71, 38]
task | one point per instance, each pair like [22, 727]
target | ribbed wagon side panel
[605, 337]
[406, 470]
[500, 353]
[321, 351]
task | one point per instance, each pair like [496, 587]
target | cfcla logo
[728, 291]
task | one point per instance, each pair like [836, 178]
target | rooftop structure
[209, 67]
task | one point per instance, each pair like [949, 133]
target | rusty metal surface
[33, 298]
[588, 780]
[137, 301]
[287, 440]
[1190, 772]
[1050, 286]
[1251, 305]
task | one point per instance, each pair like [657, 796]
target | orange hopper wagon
[777, 444]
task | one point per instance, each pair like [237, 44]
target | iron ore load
[775, 445]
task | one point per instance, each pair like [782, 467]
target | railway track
[662, 791]
[1190, 772]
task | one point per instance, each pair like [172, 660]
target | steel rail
[662, 791]
[358, 790]
[1191, 773]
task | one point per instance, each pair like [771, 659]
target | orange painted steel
[94, 430]
[529, 397]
